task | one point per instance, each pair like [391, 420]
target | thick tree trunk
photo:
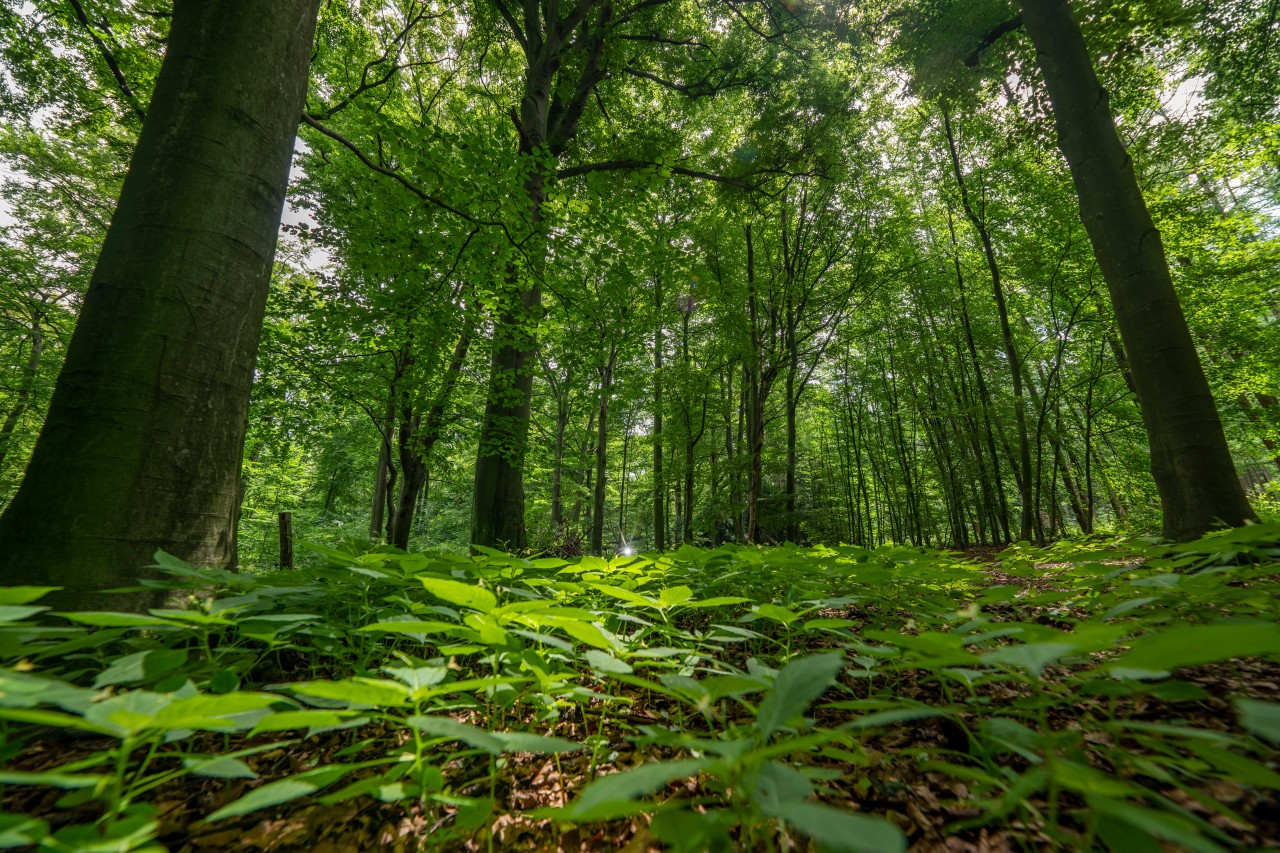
[497, 515]
[141, 448]
[1192, 464]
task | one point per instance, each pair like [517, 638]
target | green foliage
[389, 673]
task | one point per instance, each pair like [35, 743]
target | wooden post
[286, 540]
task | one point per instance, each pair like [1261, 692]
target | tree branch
[619, 165]
[511, 22]
[130, 97]
[383, 170]
[991, 38]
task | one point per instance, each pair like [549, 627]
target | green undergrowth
[1112, 697]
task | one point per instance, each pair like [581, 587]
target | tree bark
[417, 438]
[378, 509]
[602, 452]
[22, 399]
[659, 483]
[1192, 464]
[142, 445]
[557, 470]
[1010, 350]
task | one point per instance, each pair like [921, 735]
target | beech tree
[141, 446]
[1192, 465]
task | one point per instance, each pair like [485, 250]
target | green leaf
[778, 787]
[24, 594]
[462, 594]
[1239, 768]
[283, 791]
[17, 830]
[490, 631]
[1124, 837]
[613, 796]
[535, 743]
[604, 662]
[1086, 780]
[447, 728]
[219, 767]
[411, 627]
[1260, 718]
[215, 712]
[1032, 657]
[776, 613]
[583, 632]
[894, 716]
[358, 692]
[107, 619]
[289, 720]
[1199, 644]
[142, 666]
[1173, 828]
[674, 595]
[625, 595]
[56, 719]
[14, 613]
[52, 780]
[845, 831]
[797, 684]
[719, 601]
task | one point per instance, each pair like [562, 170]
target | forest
[636, 425]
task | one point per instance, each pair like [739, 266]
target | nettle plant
[735, 698]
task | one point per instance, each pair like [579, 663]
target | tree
[141, 448]
[1190, 459]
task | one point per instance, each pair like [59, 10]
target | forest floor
[785, 699]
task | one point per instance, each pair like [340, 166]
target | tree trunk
[659, 484]
[602, 453]
[418, 436]
[23, 398]
[378, 511]
[557, 470]
[1010, 350]
[622, 479]
[141, 448]
[792, 403]
[497, 514]
[584, 473]
[1192, 464]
